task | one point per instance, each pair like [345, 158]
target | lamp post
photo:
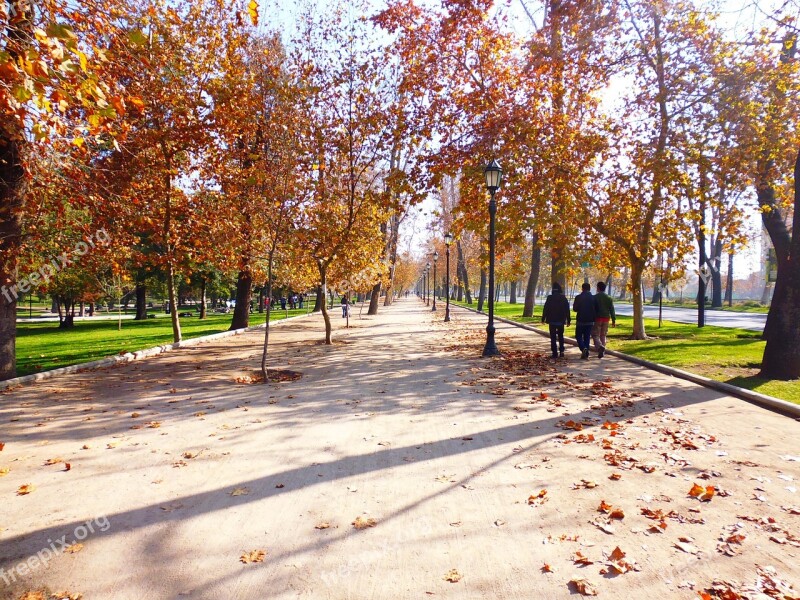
[435, 258]
[428, 284]
[448, 239]
[494, 175]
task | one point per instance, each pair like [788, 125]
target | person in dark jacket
[584, 307]
[556, 314]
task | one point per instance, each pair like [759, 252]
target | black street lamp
[448, 239]
[494, 176]
[435, 258]
[428, 284]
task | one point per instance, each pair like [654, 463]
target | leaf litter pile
[661, 463]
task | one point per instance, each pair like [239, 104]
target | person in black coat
[556, 314]
[584, 318]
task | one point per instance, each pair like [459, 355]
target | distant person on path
[283, 302]
[556, 314]
[345, 306]
[604, 312]
[584, 318]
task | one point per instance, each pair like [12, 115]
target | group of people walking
[593, 314]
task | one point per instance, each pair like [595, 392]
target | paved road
[719, 318]
[471, 469]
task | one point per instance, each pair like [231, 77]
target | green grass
[747, 306]
[719, 353]
[42, 346]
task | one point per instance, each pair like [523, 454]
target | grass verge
[42, 346]
[719, 353]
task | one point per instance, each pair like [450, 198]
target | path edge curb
[129, 357]
[782, 406]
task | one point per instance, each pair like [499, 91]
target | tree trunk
[463, 278]
[323, 277]
[141, 302]
[512, 295]
[654, 299]
[637, 270]
[173, 297]
[244, 294]
[729, 286]
[373, 299]
[482, 290]
[203, 285]
[623, 287]
[68, 322]
[266, 324]
[319, 301]
[716, 275]
[533, 279]
[782, 353]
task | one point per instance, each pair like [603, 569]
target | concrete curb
[782, 406]
[137, 355]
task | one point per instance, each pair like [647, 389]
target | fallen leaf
[547, 568]
[323, 525]
[704, 494]
[579, 559]
[583, 586]
[53, 461]
[615, 476]
[362, 523]
[242, 491]
[67, 466]
[687, 547]
[25, 489]
[73, 549]
[537, 499]
[4, 471]
[254, 556]
[453, 576]
[617, 514]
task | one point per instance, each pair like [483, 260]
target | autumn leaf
[53, 461]
[254, 556]
[546, 568]
[704, 494]
[252, 10]
[73, 549]
[537, 499]
[615, 476]
[4, 471]
[453, 576]
[583, 586]
[25, 489]
[67, 466]
[580, 559]
[604, 506]
[362, 523]
[242, 491]
[323, 525]
[610, 426]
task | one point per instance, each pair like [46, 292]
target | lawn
[720, 353]
[43, 346]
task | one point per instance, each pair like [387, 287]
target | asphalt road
[718, 318]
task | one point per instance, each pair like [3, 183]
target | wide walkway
[467, 478]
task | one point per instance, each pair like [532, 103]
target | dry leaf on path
[687, 547]
[704, 494]
[537, 499]
[362, 523]
[242, 491]
[579, 559]
[53, 461]
[254, 556]
[323, 525]
[546, 568]
[73, 549]
[453, 576]
[25, 489]
[583, 586]
[4, 471]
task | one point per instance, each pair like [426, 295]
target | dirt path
[483, 471]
